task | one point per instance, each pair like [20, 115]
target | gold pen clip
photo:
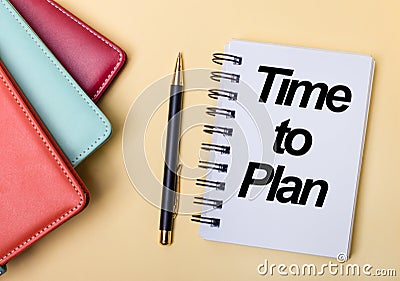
[178, 190]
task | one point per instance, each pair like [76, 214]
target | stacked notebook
[52, 124]
[286, 148]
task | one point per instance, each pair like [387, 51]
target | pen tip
[179, 58]
[178, 74]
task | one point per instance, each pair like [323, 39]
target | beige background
[115, 238]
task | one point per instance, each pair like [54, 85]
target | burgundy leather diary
[91, 59]
[39, 189]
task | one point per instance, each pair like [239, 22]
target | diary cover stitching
[62, 72]
[94, 33]
[60, 165]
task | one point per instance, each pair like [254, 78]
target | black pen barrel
[169, 192]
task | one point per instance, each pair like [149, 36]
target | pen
[169, 191]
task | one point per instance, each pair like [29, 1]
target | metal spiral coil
[216, 93]
[224, 149]
[218, 58]
[218, 76]
[214, 111]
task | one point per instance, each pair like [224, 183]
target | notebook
[91, 59]
[73, 120]
[39, 189]
[287, 142]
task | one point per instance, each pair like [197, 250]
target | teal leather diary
[74, 121]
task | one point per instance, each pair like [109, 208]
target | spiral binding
[217, 204]
[211, 184]
[211, 221]
[218, 58]
[213, 166]
[223, 149]
[209, 129]
[219, 75]
[216, 93]
[214, 111]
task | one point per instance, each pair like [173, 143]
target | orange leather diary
[39, 190]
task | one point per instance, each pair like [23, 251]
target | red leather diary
[39, 189]
[91, 59]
